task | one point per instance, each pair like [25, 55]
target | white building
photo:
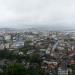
[7, 45]
[2, 46]
[62, 71]
[7, 37]
[17, 44]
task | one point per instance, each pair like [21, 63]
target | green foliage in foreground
[73, 69]
[19, 69]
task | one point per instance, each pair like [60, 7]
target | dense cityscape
[37, 53]
[37, 37]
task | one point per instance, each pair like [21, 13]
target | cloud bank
[34, 12]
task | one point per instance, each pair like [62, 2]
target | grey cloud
[38, 11]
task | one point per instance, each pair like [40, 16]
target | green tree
[34, 58]
[73, 69]
[19, 69]
[15, 69]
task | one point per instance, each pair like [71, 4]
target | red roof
[72, 62]
[71, 53]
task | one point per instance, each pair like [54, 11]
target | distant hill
[52, 28]
[8, 30]
[39, 28]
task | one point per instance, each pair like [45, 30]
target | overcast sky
[34, 12]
